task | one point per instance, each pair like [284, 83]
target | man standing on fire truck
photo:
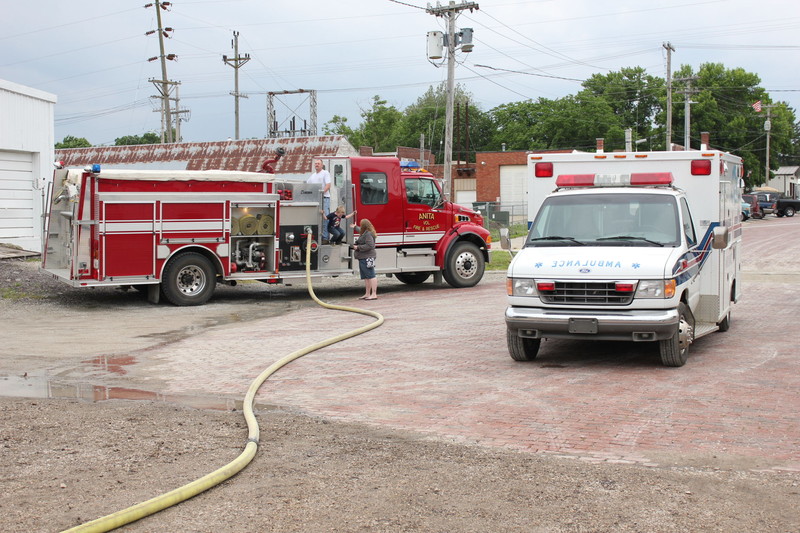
[322, 176]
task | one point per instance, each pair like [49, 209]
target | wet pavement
[439, 366]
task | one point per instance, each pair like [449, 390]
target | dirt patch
[65, 462]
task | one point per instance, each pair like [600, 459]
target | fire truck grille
[594, 293]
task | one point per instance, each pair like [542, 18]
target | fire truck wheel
[464, 266]
[675, 350]
[521, 349]
[412, 278]
[189, 279]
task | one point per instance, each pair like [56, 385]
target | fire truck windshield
[638, 219]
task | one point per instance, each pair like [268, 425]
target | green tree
[147, 138]
[73, 142]
[723, 107]
[472, 128]
[573, 122]
[633, 95]
[337, 126]
[378, 127]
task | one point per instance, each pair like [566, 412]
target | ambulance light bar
[614, 180]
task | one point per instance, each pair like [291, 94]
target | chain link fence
[503, 214]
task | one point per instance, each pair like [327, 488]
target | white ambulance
[638, 246]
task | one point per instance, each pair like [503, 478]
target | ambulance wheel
[521, 349]
[675, 350]
[412, 278]
[464, 266]
[189, 279]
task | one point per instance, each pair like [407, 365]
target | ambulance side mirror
[505, 240]
[719, 238]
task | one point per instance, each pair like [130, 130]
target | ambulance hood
[594, 262]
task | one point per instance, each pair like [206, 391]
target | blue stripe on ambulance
[690, 263]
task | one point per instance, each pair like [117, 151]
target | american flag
[757, 106]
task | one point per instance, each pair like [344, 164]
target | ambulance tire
[521, 349]
[189, 279]
[464, 266]
[412, 278]
[675, 350]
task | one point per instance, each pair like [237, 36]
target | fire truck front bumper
[636, 325]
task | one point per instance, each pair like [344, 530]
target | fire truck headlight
[656, 288]
[520, 287]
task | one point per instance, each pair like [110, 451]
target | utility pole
[163, 85]
[767, 128]
[464, 39]
[687, 110]
[669, 49]
[236, 62]
[178, 112]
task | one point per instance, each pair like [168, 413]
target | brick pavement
[439, 366]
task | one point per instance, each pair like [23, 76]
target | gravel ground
[65, 462]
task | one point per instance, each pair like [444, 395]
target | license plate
[583, 325]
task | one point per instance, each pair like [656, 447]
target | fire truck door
[340, 184]
[426, 220]
[341, 190]
[127, 233]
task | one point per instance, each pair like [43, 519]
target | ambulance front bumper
[637, 325]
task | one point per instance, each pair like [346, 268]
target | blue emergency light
[96, 168]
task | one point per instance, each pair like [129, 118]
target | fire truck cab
[176, 233]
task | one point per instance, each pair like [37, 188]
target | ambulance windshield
[611, 219]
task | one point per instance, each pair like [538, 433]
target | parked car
[767, 201]
[787, 206]
[755, 208]
[745, 210]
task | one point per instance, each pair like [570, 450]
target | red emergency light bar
[614, 180]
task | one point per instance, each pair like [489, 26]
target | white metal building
[787, 180]
[26, 162]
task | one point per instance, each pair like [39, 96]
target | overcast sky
[94, 55]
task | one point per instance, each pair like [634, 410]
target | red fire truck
[178, 233]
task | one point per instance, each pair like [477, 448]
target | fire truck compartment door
[127, 234]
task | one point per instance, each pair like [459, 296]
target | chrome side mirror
[505, 240]
[719, 238]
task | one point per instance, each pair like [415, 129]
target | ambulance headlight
[520, 287]
[655, 288]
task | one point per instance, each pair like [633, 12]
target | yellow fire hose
[168, 499]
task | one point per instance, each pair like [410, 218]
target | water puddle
[28, 386]
[114, 364]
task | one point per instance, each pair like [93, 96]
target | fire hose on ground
[168, 499]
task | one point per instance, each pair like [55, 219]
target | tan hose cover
[248, 225]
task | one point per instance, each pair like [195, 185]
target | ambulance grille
[593, 293]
